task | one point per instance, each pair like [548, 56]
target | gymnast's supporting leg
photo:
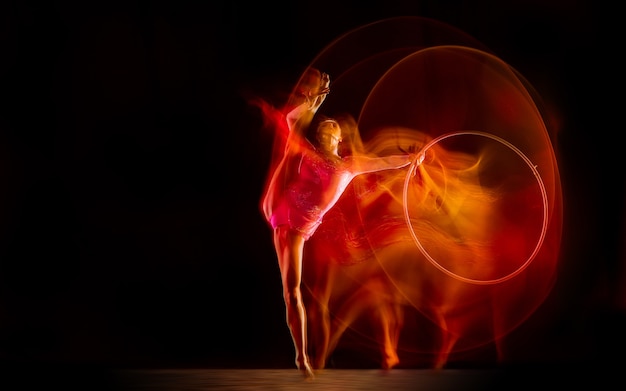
[289, 247]
[319, 314]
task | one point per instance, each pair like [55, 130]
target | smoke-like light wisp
[544, 224]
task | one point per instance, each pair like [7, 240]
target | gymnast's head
[328, 135]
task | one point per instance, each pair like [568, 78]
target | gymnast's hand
[324, 84]
[416, 155]
[315, 96]
[323, 88]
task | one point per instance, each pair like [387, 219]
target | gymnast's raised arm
[308, 97]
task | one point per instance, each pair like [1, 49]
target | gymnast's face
[329, 136]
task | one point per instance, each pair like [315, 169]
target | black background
[131, 169]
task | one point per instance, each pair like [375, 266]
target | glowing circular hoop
[544, 196]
